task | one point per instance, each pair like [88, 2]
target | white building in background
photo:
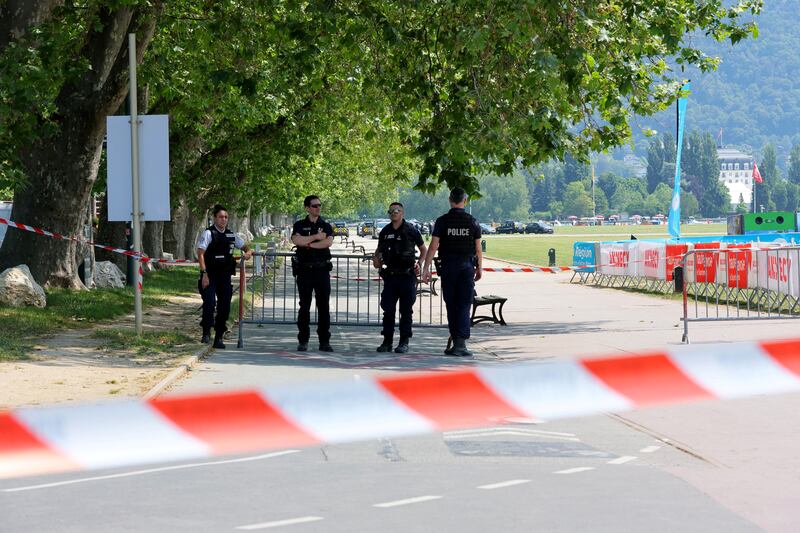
[736, 172]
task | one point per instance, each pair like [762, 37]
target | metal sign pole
[136, 215]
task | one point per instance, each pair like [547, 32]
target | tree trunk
[170, 242]
[18, 16]
[61, 169]
[240, 223]
[112, 234]
[194, 225]
[175, 231]
[152, 240]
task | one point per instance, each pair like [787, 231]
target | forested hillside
[754, 96]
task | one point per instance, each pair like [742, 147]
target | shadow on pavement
[274, 345]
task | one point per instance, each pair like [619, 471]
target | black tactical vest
[312, 256]
[457, 238]
[219, 254]
[398, 253]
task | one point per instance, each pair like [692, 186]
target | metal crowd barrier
[269, 293]
[630, 282]
[740, 284]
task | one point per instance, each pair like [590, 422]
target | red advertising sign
[740, 257]
[675, 253]
[706, 262]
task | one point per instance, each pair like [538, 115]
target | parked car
[487, 229]
[366, 228]
[340, 228]
[538, 227]
[379, 224]
[509, 226]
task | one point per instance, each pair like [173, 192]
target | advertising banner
[616, 258]
[583, 253]
[674, 256]
[651, 260]
[776, 270]
[738, 259]
[706, 262]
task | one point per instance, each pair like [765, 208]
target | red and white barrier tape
[533, 269]
[62, 438]
[53, 235]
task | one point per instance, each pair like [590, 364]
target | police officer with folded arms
[457, 237]
[217, 265]
[313, 238]
[396, 259]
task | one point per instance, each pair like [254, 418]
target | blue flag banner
[674, 222]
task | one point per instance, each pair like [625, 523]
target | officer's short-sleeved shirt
[438, 226]
[305, 228]
[205, 240]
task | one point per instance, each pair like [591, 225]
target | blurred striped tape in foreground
[115, 434]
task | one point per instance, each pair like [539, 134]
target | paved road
[714, 466]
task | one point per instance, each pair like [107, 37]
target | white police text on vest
[458, 232]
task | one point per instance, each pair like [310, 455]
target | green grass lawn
[80, 309]
[533, 249]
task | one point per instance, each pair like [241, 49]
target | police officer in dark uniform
[395, 256]
[217, 265]
[457, 237]
[313, 237]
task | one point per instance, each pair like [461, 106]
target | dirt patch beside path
[72, 366]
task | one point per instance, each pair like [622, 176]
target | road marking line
[650, 449]
[501, 429]
[503, 484]
[407, 501]
[621, 460]
[575, 470]
[279, 523]
[151, 471]
[508, 432]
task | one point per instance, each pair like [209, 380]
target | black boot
[386, 346]
[206, 336]
[403, 346]
[218, 344]
[449, 349]
[460, 348]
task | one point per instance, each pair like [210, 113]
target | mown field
[533, 249]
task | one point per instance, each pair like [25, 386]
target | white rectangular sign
[153, 167]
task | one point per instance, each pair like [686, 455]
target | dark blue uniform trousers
[217, 294]
[458, 286]
[318, 282]
[402, 287]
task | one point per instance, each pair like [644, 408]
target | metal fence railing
[269, 295]
[744, 283]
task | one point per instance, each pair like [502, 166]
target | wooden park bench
[497, 312]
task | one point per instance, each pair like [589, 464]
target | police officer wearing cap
[395, 257]
[217, 265]
[457, 237]
[313, 238]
